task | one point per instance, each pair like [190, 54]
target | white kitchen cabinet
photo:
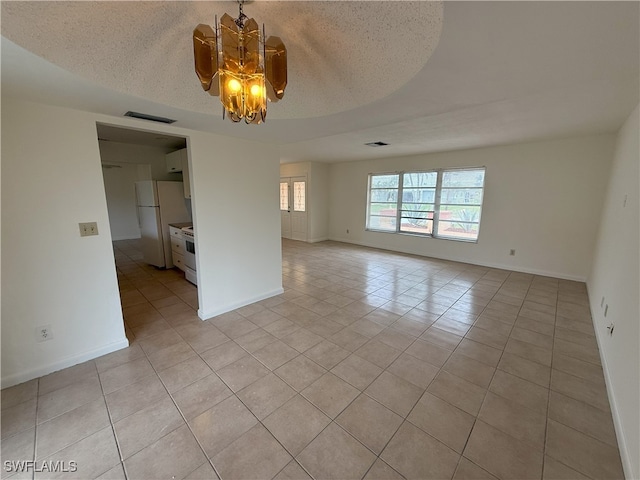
[177, 247]
[178, 260]
[175, 160]
[176, 232]
[178, 161]
[185, 174]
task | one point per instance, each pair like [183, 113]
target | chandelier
[234, 62]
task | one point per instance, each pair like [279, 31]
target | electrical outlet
[88, 229]
[44, 333]
[512, 252]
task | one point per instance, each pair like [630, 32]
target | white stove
[190, 254]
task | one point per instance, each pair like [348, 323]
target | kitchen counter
[181, 225]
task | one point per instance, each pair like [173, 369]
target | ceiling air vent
[144, 116]
[376, 144]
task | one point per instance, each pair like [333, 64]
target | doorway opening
[148, 197]
[293, 208]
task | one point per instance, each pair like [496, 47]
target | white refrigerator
[159, 204]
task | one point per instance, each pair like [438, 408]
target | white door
[151, 242]
[293, 208]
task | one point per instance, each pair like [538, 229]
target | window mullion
[399, 202]
[436, 206]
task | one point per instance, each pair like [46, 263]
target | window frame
[396, 189]
[440, 172]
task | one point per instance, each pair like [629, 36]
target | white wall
[53, 276]
[300, 169]
[137, 162]
[542, 199]
[317, 196]
[236, 213]
[51, 181]
[319, 202]
[615, 277]
[116, 152]
[119, 186]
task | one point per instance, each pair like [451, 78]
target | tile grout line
[239, 399]
[208, 460]
[361, 392]
[146, 355]
[546, 423]
[441, 369]
[35, 430]
[390, 266]
[477, 416]
[332, 420]
[549, 402]
[102, 396]
[113, 427]
[386, 327]
[405, 419]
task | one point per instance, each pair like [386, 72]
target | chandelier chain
[241, 16]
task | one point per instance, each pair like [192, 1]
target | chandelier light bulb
[256, 91]
[234, 85]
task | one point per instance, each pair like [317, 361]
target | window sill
[419, 235]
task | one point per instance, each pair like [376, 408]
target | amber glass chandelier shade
[234, 63]
[275, 60]
[205, 54]
[230, 42]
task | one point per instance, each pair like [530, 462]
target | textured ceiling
[341, 55]
[502, 72]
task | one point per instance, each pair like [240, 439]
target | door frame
[292, 215]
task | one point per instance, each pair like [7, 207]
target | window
[439, 203]
[299, 197]
[284, 195]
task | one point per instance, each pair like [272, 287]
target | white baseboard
[533, 271]
[125, 237]
[618, 424]
[232, 306]
[617, 421]
[316, 240]
[20, 377]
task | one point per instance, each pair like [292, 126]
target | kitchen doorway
[132, 159]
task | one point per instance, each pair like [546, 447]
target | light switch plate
[89, 228]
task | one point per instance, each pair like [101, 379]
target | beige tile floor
[371, 365]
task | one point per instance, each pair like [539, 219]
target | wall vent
[152, 118]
